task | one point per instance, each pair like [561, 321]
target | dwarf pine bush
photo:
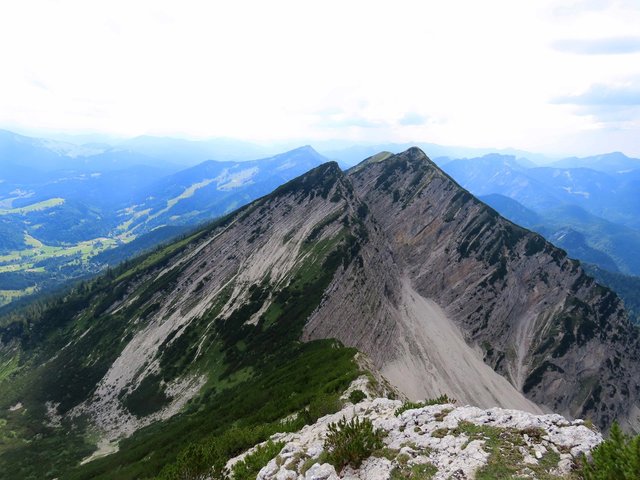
[357, 396]
[349, 443]
[617, 458]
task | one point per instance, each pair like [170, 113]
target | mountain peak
[305, 148]
[415, 153]
[319, 179]
[464, 257]
[302, 149]
[305, 152]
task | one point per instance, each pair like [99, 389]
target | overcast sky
[548, 76]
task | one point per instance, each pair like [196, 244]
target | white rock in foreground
[451, 442]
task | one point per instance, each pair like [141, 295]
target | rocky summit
[441, 441]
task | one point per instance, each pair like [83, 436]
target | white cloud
[599, 46]
[311, 70]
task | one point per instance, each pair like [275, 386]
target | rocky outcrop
[447, 441]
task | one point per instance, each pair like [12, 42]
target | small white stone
[322, 471]
[285, 474]
[268, 471]
[565, 466]
[375, 469]
[315, 449]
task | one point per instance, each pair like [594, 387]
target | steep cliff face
[558, 337]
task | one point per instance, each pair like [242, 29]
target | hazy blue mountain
[613, 196]
[504, 175]
[112, 189]
[212, 188]
[63, 224]
[553, 228]
[602, 194]
[626, 286]
[576, 245]
[584, 236]
[23, 157]
[511, 209]
[619, 242]
[349, 155]
[614, 162]
[18, 150]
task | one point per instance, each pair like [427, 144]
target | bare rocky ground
[440, 442]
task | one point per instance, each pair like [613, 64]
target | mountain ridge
[479, 259]
[369, 257]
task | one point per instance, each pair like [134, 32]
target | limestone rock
[451, 441]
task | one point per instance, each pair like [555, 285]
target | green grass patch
[34, 207]
[503, 446]
[9, 366]
[418, 471]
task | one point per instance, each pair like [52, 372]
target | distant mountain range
[62, 204]
[19, 151]
[61, 207]
[615, 162]
[593, 214]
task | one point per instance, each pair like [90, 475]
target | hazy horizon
[549, 77]
[244, 150]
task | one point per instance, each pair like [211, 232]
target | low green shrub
[248, 468]
[357, 396]
[322, 404]
[441, 400]
[349, 443]
[207, 459]
[408, 406]
[617, 458]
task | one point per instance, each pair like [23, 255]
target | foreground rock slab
[440, 442]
